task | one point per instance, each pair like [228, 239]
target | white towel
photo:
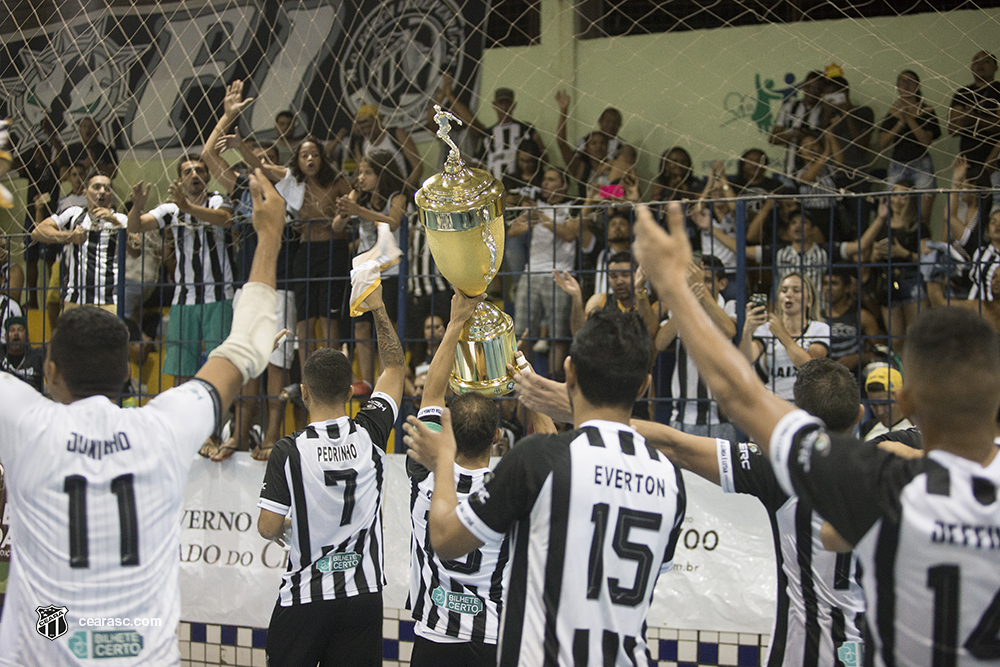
[365, 277]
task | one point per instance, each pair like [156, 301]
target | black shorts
[320, 275]
[467, 654]
[328, 632]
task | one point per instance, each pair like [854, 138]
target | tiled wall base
[206, 645]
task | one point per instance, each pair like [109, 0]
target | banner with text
[723, 577]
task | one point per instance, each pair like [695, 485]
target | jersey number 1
[983, 642]
[79, 553]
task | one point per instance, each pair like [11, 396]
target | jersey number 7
[79, 552]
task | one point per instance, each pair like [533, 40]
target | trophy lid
[458, 198]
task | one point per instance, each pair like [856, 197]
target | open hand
[233, 103]
[567, 283]
[665, 256]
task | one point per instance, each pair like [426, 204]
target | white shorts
[284, 354]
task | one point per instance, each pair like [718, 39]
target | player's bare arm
[727, 373]
[436, 383]
[697, 454]
[436, 452]
[390, 351]
[244, 353]
[543, 395]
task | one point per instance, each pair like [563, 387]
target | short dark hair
[623, 257]
[826, 389]
[189, 157]
[327, 375]
[90, 348]
[285, 114]
[952, 357]
[474, 419]
[611, 354]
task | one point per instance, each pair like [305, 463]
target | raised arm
[565, 148]
[221, 217]
[244, 353]
[727, 373]
[689, 452]
[567, 283]
[138, 221]
[232, 105]
[390, 351]
[436, 382]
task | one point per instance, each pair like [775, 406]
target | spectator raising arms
[909, 129]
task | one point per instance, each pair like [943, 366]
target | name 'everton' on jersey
[927, 532]
[328, 480]
[594, 516]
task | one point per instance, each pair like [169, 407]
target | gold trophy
[461, 210]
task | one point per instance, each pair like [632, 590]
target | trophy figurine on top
[461, 210]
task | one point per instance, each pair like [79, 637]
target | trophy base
[499, 387]
[485, 347]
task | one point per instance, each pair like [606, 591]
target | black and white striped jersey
[94, 494]
[984, 265]
[424, 278]
[693, 400]
[204, 270]
[91, 266]
[820, 607]
[499, 147]
[593, 516]
[459, 600]
[927, 533]
[328, 479]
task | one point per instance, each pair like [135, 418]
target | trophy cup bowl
[461, 210]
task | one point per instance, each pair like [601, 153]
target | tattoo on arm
[390, 351]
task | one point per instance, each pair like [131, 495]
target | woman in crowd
[377, 199]
[676, 178]
[908, 130]
[311, 188]
[897, 238]
[781, 341]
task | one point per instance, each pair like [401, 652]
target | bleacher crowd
[832, 252]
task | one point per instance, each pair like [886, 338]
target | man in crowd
[94, 490]
[369, 134]
[324, 486]
[18, 358]
[923, 529]
[974, 117]
[695, 411]
[576, 595]
[91, 151]
[236, 181]
[91, 235]
[881, 385]
[197, 220]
